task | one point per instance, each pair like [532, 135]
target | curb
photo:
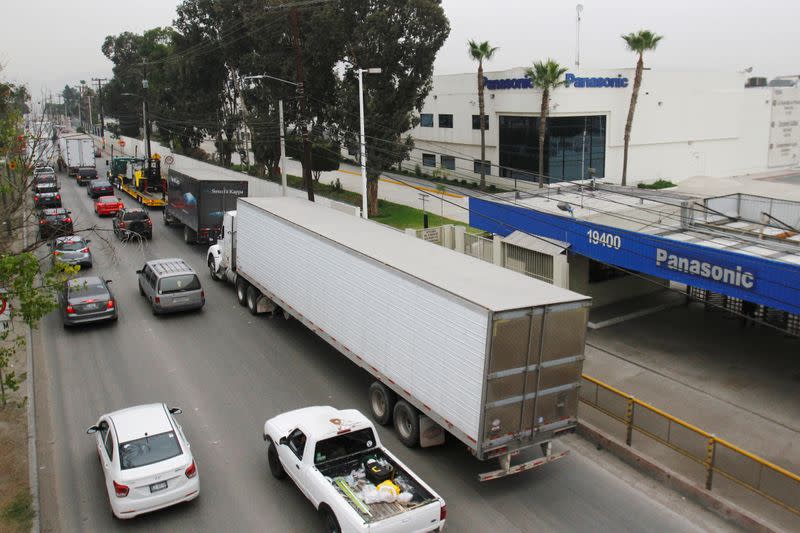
[675, 481]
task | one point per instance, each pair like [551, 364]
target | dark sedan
[46, 200]
[98, 188]
[85, 175]
[72, 250]
[86, 300]
[55, 223]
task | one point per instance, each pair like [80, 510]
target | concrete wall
[686, 123]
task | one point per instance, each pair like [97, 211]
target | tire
[253, 295]
[275, 466]
[166, 219]
[213, 270]
[241, 290]
[189, 237]
[381, 401]
[406, 423]
[331, 524]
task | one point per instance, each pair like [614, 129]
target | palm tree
[480, 52]
[546, 75]
[639, 42]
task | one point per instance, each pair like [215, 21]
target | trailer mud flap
[507, 469]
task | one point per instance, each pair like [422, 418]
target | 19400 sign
[601, 238]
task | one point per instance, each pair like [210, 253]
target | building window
[487, 165]
[445, 121]
[426, 120]
[599, 272]
[428, 160]
[448, 162]
[476, 125]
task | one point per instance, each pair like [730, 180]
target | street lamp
[578, 11]
[361, 72]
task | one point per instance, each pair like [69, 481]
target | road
[229, 371]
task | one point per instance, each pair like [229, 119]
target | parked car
[147, 461]
[97, 188]
[85, 300]
[108, 205]
[55, 223]
[72, 250]
[85, 175]
[170, 285]
[133, 222]
[46, 200]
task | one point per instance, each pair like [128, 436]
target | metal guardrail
[716, 456]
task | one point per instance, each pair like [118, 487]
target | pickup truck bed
[378, 511]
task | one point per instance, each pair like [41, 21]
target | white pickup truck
[324, 451]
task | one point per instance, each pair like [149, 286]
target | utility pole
[145, 85]
[283, 147]
[91, 121]
[100, 82]
[301, 93]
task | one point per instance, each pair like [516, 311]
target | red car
[107, 205]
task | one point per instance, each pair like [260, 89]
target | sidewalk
[740, 384]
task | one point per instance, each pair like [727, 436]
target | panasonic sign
[570, 80]
[736, 276]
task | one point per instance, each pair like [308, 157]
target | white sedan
[146, 459]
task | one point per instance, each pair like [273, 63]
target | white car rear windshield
[148, 450]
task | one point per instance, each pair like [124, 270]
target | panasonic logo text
[732, 276]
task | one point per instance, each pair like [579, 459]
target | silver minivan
[170, 285]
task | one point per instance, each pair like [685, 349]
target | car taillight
[443, 512]
[157, 299]
[149, 222]
[42, 222]
[191, 471]
[85, 250]
[70, 309]
[68, 220]
[202, 294]
[121, 490]
[110, 304]
[121, 224]
[58, 197]
[35, 196]
[57, 253]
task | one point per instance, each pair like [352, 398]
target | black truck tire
[253, 296]
[406, 423]
[241, 290]
[381, 402]
[331, 524]
[212, 269]
[275, 466]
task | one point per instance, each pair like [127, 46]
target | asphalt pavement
[230, 371]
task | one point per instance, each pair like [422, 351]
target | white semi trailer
[489, 355]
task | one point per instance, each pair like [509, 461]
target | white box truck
[491, 356]
[77, 152]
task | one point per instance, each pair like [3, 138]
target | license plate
[180, 300]
[155, 487]
[90, 306]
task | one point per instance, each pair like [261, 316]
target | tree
[545, 75]
[639, 43]
[402, 38]
[481, 52]
[324, 153]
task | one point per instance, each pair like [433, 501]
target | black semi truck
[198, 199]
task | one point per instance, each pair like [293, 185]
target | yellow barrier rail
[716, 455]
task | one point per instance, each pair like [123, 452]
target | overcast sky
[48, 43]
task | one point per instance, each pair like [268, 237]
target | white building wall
[686, 123]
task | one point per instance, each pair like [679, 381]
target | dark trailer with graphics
[198, 198]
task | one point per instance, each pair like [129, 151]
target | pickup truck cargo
[76, 151]
[491, 356]
[324, 450]
[198, 199]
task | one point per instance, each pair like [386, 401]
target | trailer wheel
[167, 219]
[189, 236]
[381, 401]
[241, 290]
[275, 466]
[253, 295]
[406, 423]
